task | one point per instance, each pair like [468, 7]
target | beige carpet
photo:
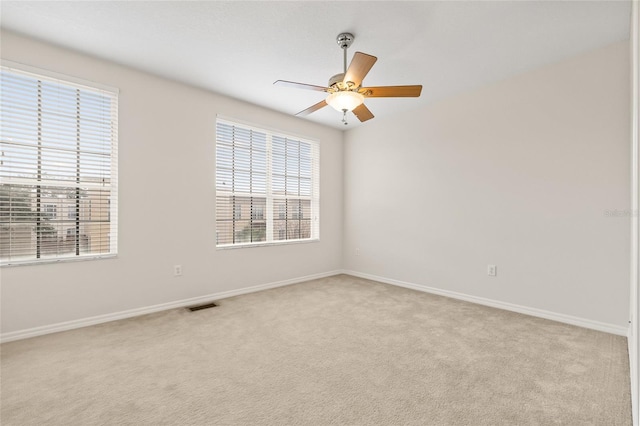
[336, 351]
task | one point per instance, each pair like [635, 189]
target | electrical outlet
[492, 270]
[177, 270]
[357, 252]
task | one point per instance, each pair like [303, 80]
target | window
[271, 176]
[257, 213]
[73, 213]
[50, 211]
[58, 180]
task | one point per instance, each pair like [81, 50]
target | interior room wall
[530, 174]
[634, 323]
[166, 203]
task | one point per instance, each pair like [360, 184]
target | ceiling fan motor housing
[336, 80]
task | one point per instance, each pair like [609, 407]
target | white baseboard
[567, 319]
[84, 322]
[633, 366]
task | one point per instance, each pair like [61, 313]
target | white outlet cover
[492, 270]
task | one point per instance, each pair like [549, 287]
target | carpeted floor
[335, 351]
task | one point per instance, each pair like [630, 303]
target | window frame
[112, 209]
[269, 214]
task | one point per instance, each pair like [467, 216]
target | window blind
[58, 168]
[267, 186]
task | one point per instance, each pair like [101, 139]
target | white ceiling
[240, 48]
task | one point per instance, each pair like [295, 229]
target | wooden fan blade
[363, 113]
[312, 108]
[359, 67]
[295, 85]
[392, 91]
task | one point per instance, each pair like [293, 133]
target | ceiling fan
[345, 89]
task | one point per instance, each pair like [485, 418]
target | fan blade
[392, 91]
[359, 67]
[363, 113]
[312, 108]
[295, 85]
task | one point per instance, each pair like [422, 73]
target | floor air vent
[200, 307]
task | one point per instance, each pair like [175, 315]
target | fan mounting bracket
[344, 40]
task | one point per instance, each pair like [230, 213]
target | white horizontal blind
[58, 168]
[267, 186]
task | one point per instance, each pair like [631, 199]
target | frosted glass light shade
[345, 100]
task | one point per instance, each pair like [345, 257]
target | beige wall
[166, 203]
[530, 174]
[634, 326]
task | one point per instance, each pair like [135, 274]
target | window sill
[265, 244]
[13, 263]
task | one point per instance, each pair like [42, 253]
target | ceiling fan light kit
[345, 100]
[345, 89]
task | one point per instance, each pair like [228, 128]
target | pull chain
[344, 117]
